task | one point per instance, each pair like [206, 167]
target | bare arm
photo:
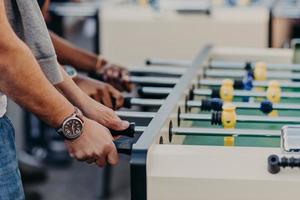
[22, 79]
[68, 54]
[91, 108]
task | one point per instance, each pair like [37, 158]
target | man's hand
[115, 75]
[100, 91]
[94, 145]
[103, 115]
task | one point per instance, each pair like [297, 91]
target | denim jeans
[10, 179]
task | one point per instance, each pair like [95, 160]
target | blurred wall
[131, 34]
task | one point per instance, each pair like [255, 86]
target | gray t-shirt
[27, 21]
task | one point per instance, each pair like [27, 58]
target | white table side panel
[206, 172]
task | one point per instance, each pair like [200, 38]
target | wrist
[61, 115]
[71, 71]
[80, 78]
[72, 127]
[82, 100]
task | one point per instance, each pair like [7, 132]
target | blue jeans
[10, 179]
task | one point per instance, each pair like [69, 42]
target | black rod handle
[144, 94]
[129, 132]
[96, 76]
[273, 164]
[124, 145]
[127, 102]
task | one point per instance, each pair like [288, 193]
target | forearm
[68, 54]
[22, 80]
[71, 91]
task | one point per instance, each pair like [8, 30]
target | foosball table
[226, 126]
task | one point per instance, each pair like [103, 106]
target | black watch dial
[72, 128]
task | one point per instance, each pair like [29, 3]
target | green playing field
[247, 141]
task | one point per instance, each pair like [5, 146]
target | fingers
[127, 85]
[109, 96]
[106, 98]
[101, 162]
[120, 125]
[96, 97]
[91, 160]
[123, 81]
[113, 156]
[95, 145]
[109, 154]
[118, 77]
[115, 123]
[116, 137]
[117, 96]
[107, 74]
[80, 156]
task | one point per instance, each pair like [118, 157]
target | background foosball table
[217, 133]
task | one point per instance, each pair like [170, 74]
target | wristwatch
[71, 71]
[72, 127]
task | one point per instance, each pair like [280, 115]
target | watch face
[72, 128]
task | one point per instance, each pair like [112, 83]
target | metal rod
[158, 70]
[168, 62]
[225, 132]
[245, 93]
[133, 114]
[217, 132]
[139, 129]
[243, 118]
[155, 90]
[154, 80]
[146, 102]
[216, 73]
[198, 104]
[241, 65]
[207, 117]
[243, 105]
[283, 84]
[208, 92]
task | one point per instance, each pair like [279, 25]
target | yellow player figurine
[226, 90]
[228, 116]
[274, 95]
[260, 71]
[229, 121]
[229, 141]
[260, 74]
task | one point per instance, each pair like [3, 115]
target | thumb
[118, 124]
